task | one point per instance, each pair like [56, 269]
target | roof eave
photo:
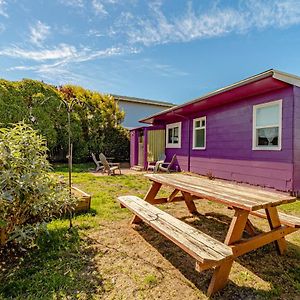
[282, 76]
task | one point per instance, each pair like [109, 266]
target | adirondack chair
[110, 168]
[153, 165]
[167, 166]
[97, 162]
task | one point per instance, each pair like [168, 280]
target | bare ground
[138, 263]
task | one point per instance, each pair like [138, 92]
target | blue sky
[165, 50]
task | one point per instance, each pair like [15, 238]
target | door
[156, 144]
[141, 149]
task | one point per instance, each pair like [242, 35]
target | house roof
[143, 101]
[274, 74]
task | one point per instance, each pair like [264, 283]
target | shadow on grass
[76, 168]
[61, 267]
[282, 273]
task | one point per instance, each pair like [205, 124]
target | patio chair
[110, 168]
[97, 162]
[153, 165]
[167, 166]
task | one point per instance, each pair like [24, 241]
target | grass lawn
[104, 258]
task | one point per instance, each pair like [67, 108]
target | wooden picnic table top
[229, 193]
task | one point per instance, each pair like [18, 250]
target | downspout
[189, 140]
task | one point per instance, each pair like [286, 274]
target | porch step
[137, 168]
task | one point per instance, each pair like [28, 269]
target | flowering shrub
[29, 195]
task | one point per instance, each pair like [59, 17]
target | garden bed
[84, 203]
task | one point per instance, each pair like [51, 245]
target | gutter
[281, 76]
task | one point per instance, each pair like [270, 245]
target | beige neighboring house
[139, 108]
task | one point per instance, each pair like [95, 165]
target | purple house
[247, 132]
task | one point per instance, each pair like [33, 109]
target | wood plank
[189, 202]
[150, 196]
[285, 219]
[230, 194]
[260, 240]
[209, 194]
[237, 188]
[274, 223]
[173, 195]
[237, 226]
[220, 277]
[249, 227]
[200, 246]
[166, 223]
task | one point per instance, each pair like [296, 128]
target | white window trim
[194, 133]
[169, 126]
[255, 107]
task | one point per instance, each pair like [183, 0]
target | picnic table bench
[209, 252]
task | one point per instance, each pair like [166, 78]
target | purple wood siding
[297, 139]
[133, 147]
[181, 153]
[229, 153]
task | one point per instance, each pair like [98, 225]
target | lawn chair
[153, 165]
[97, 162]
[165, 166]
[110, 168]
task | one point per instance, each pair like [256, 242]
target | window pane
[267, 115]
[170, 135]
[197, 124]
[175, 131]
[203, 123]
[200, 138]
[267, 136]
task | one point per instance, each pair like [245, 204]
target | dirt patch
[138, 263]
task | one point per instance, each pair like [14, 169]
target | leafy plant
[95, 119]
[29, 195]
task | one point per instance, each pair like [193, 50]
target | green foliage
[95, 118]
[96, 122]
[29, 195]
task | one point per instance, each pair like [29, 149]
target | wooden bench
[285, 219]
[208, 252]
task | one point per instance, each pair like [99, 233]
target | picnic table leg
[189, 202]
[150, 196]
[220, 277]
[237, 226]
[250, 228]
[274, 222]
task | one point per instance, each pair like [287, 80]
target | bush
[29, 195]
[93, 118]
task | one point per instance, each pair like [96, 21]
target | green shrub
[94, 119]
[29, 195]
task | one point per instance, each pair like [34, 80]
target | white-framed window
[199, 133]
[173, 135]
[267, 126]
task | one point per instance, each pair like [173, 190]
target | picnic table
[208, 252]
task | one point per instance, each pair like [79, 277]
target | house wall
[134, 147]
[296, 139]
[229, 153]
[136, 111]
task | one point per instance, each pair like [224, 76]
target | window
[173, 136]
[199, 133]
[267, 119]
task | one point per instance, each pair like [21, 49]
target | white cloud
[217, 21]
[74, 3]
[62, 51]
[57, 63]
[3, 8]
[99, 7]
[39, 33]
